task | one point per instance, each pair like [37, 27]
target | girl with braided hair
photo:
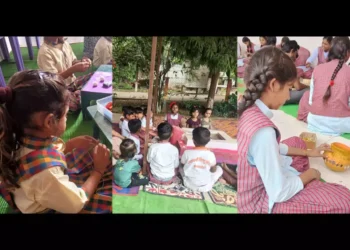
[274, 177]
[326, 107]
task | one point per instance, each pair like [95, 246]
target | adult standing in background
[103, 51]
[89, 46]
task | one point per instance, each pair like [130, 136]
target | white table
[290, 126]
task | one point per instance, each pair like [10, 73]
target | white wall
[22, 41]
[308, 42]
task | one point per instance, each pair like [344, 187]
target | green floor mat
[150, 203]
[3, 206]
[292, 110]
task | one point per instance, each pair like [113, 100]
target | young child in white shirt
[199, 171]
[152, 130]
[163, 157]
[129, 114]
[135, 128]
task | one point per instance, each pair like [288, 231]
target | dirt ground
[229, 126]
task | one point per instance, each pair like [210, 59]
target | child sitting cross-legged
[39, 173]
[135, 128]
[199, 171]
[127, 171]
[163, 157]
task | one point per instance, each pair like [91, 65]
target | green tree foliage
[219, 54]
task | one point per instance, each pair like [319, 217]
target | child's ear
[272, 85]
[49, 121]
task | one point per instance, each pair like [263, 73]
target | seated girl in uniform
[326, 107]
[174, 118]
[275, 177]
[40, 173]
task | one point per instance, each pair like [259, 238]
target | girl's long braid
[253, 92]
[328, 93]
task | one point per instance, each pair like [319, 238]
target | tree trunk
[213, 84]
[228, 89]
[166, 86]
[158, 76]
[137, 73]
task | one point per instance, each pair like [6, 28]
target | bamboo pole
[149, 103]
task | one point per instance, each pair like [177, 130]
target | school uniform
[320, 54]
[268, 181]
[51, 182]
[303, 55]
[57, 59]
[332, 117]
[196, 170]
[163, 159]
[136, 139]
[174, 120]
[144, 122]
[125, 128]
[103, 51]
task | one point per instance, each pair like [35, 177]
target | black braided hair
[339, 50]
[266, 64]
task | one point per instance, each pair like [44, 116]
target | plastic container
[101, 107]
[310, 139]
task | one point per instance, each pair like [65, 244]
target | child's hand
[318, 152]
[101, 157]
[82, 142]
[81, 66]
[85, 59]
[115, 154]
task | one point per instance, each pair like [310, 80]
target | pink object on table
[222, 155]
[89, 86]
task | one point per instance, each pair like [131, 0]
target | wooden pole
[149, 103]
[156, 86]
[228, 89]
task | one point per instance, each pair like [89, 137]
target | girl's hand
[82, 142]
[101, 157]
[315, 173]
[318, 152]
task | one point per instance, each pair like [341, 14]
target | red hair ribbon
[5, 95]
[172, 104]
[331, 83]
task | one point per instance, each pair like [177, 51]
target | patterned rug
[175, 190]
[221, 194]
[125, 191]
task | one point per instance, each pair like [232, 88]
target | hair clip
[41, 75]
